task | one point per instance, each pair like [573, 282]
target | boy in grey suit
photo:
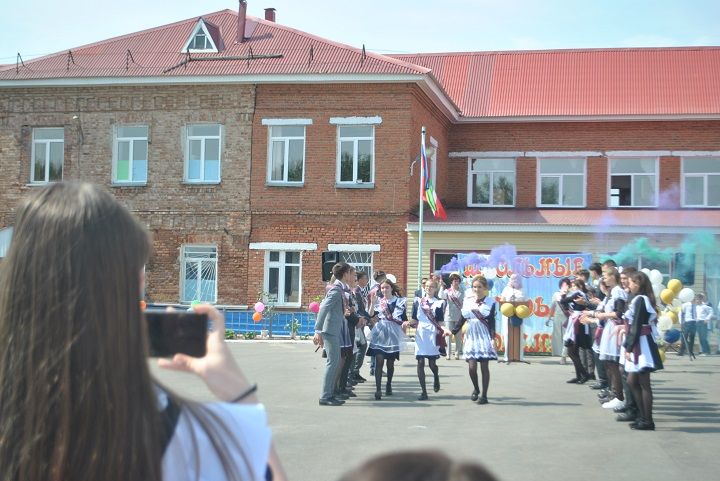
[328, 329]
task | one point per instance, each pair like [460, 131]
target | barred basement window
[361, 261]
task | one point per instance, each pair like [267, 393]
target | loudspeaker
[329, 259]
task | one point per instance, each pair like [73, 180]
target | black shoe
[353, 382]
[583, 379]
[572, 381]
[474, 395]
[436, 384]
[599, 385]
[331, 402]
[642, 425]
[627, 416]
[372, 372]
[388, 390]
[359, 378]
[378, 395]
[592, 377]
[482, 400]
[621, 409]
[604, 393]
[350, 394]
[422, 397]
[342, 395]
[603, 400]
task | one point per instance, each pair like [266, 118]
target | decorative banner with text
[540, 276]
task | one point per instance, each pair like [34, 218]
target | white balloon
[657, 289]
[655, 276]
[664, 323]
[686, 295]
[677, 303]
[646, 271]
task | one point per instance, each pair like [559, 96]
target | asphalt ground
[535, 427]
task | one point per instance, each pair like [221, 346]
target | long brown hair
[77, 401]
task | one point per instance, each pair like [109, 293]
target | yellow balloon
[672, 315]
[522, 311]
[464, 328]
[675, 285]
[662, 355]
[667, 296]
[507, 309]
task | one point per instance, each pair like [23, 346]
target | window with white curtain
[562, 182]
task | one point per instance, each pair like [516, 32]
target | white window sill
[275, 183]
[294, 305]
[197, 182]
[354, 185]
[633, 207]
[554, 206]
[129, 184]
[490, 206]
[41, 184]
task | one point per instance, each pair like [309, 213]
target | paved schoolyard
[535, 427]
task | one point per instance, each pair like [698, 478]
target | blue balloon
[672, 336]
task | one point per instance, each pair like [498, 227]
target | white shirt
[190, 454]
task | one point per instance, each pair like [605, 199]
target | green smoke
[697, 242]
[641, 248]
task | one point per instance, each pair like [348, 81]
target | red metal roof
[597, 82]
[154, 51]
[611, 218]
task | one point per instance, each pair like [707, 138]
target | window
[701, 182]
[199, 273]
[361, 261]
[633, 182]
[356, 150]
[201, 40]
[491, 182]
[131, 153]
[48, 154]
[203, 153]
[282, 277]
[562, 182]
[286, 154]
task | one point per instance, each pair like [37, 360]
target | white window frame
[116, 151]
[281, 264]
[610, 175]
[47, 143]
[270, 123]
[186, 257]
[203, 138]
[540, 176]
[355, 182]
[704, 176]
[471, 181]
[208, 38]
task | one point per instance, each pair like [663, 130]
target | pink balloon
[259, 307]
[314, 307]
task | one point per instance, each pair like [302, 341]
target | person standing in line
[640, 355]
[559, 317]
[512, 293]
[611, 313]
[704, 318]
[589, 319]
[387, 335]
[378, 277]
[576, 335]
[347, 349]
[425, 314]
[360, 293]
[688, 323]
[329, 330]
[455, 296]
[479, 313]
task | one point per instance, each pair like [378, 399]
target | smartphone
[176, 332]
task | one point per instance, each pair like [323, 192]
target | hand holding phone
[177, 332]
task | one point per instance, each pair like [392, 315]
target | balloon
[662, 355]
[314, 307]
[655, 276]
[671, 336]
[675, 285]
[522, 311]
[143, 305]
[259, 307]
[657, 289]
[257, 317]
[646, 271]
[465, 328]
[667, 296]
[686, 295]
[507, 309]
[673, 316]
[664, 322]
[676, 303]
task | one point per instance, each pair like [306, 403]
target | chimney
[242, 15]
[270, 14]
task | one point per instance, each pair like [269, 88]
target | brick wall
[176, 213]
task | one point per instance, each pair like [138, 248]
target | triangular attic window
[200, 40]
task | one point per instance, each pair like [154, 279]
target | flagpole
[421, 208]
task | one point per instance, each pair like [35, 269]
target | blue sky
[35, 27]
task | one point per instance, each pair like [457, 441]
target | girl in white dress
[427, 314]
[387, 335]
[609, 314]
[479, 313]
[640, 355]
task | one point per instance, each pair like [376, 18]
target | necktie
[694, 312]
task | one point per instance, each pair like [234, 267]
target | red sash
[439, 334]
[481, 318]
[386, 311]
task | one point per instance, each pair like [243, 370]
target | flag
[428, 193]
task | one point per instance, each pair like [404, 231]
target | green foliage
[293, 326]
[230, 334]
[250, 336]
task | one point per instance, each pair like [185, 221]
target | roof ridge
[377, 56]
[132, 34]
[557, 50]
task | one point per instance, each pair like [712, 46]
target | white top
[190, 455]
[702, 312]
[511, 294]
